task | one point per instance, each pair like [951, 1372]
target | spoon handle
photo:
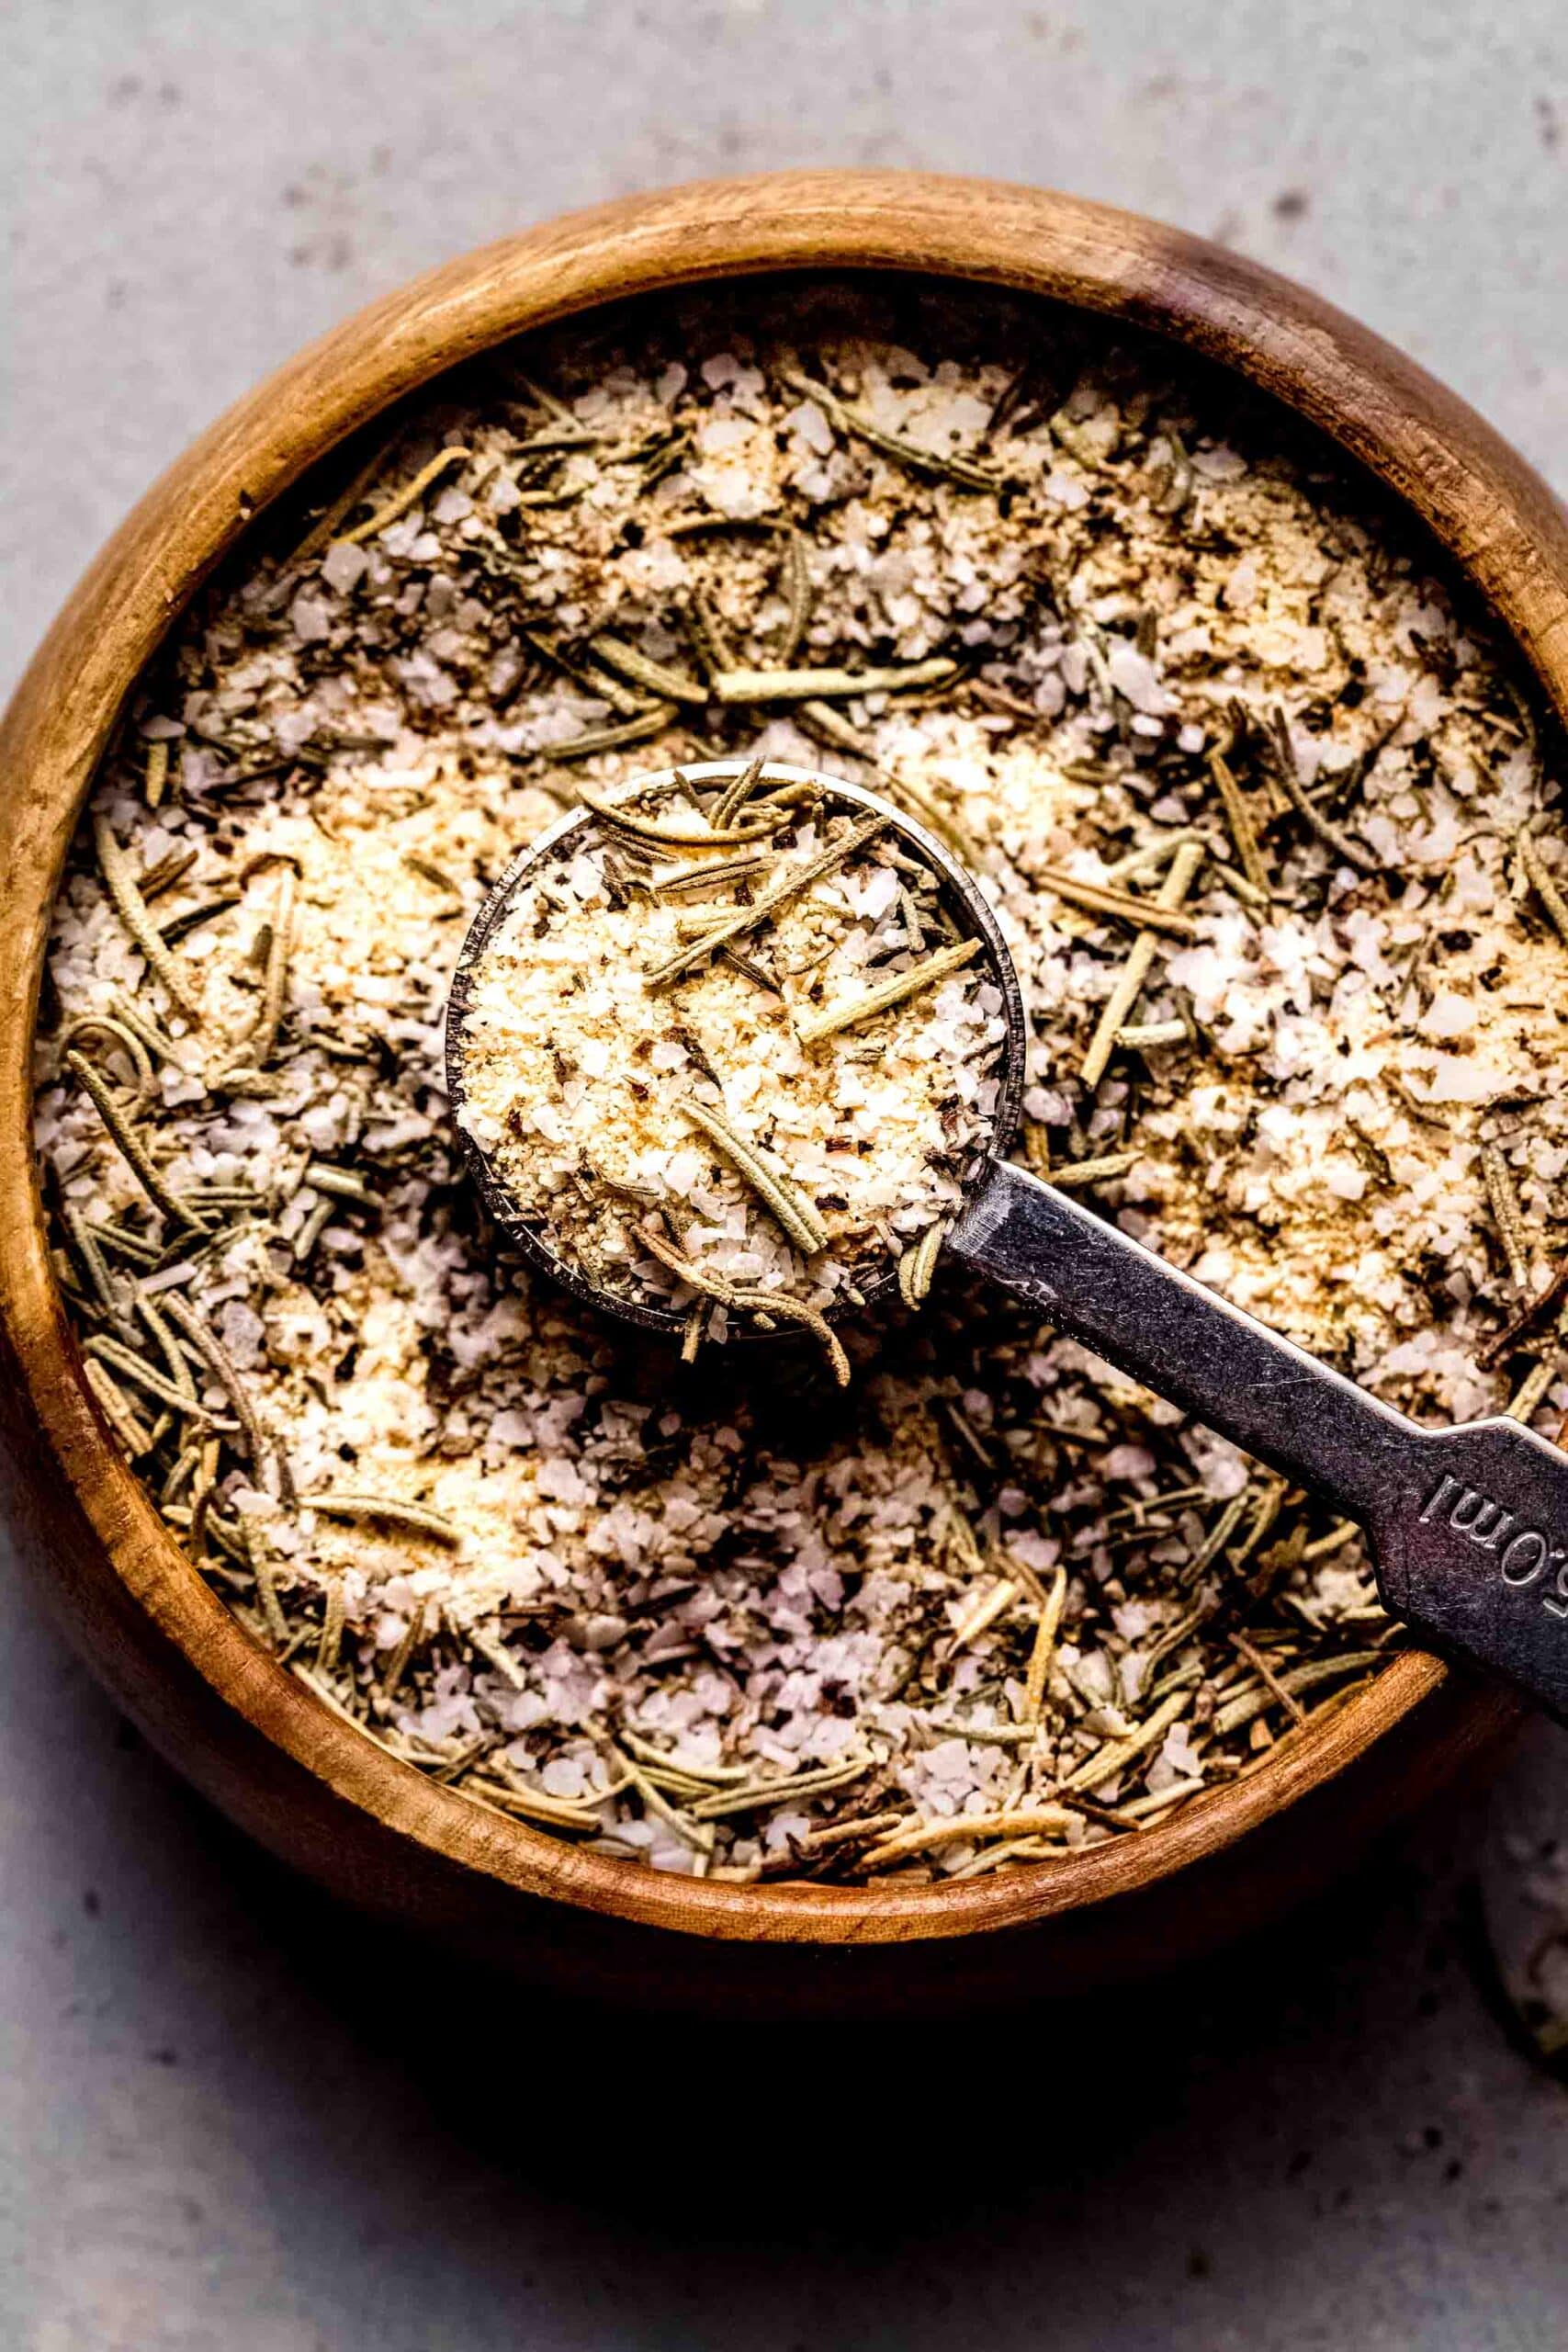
[1468, 1526]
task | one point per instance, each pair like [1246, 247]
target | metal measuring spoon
[1468, 1527]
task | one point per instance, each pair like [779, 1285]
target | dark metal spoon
[1468, 1527]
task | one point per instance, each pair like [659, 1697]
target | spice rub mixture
[722, 1081]
[1271, 833]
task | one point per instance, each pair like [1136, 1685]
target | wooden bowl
[220, 1707]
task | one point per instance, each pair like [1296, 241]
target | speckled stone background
[232, 2117]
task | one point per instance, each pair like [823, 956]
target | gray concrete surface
[233, 2118]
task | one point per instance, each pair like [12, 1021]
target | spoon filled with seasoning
[741, 1050]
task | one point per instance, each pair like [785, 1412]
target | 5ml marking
[1522, 1552]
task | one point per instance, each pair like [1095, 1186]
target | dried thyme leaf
[401, 499]
[120, 1415]
[398, 1664]
[1042, 1820]
[141, 1374]
[718, 876]
[1530, 1394]
[1238, 816]
[1541, 882]
[966, 471]
[794, 1212]
[732, 801]
[791, 885]
[324, 529]
[1238, 1712]
[428, 871]
[1073, 1175]
[131, 909]
[788, 1789]
[1283, 765]
[331, 1640]
[1041, 1657]
[418, 1517]
[647, 829]
[917, 1265]
[1145, 1036]
[132, 1150]
[216, 1355]
[849, 1012]
[827, 685]
[134, 1047]
[1146, 914]
[1553, 1295]
[84, 1239]
[695, 1277]
[1110, 1760]
[586, 746]
[599, 682]
[656, 676]
[493, 1650]
[1135, 971]
[262, 1038]
[768, 1305]
[797, 589]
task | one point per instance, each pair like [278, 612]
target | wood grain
[225, 1712]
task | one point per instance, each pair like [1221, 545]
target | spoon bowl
[960, 896]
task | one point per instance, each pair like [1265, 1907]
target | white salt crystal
[310, 618]
[343, 565]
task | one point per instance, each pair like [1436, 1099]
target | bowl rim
[1500, 526]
